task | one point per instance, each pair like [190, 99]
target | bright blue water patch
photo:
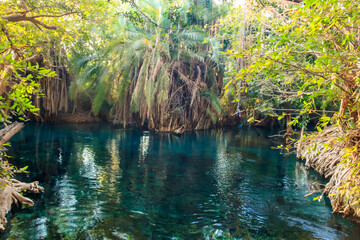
[104, 183]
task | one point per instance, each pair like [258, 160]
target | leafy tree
[309, 56]
[30, 32]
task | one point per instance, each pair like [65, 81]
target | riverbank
[326, 153]
[88, 117]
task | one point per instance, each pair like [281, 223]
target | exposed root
[10, 193]
[180, 130]
[324, 153]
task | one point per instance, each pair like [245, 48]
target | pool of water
[104, 183]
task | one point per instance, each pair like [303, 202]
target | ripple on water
[108, 184]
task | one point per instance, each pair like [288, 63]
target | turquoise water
[103, 183]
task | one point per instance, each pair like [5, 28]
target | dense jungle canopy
[170, 66]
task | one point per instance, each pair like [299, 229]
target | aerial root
[10, 193]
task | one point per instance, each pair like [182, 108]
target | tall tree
[161, 68]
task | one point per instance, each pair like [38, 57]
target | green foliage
[7, 170]
[161, 63]
[303, 60]
[29, 31]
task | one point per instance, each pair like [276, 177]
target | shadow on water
[104, 183]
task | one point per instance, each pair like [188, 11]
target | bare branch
[33, 19]
[7, 36]
[55, 16]
[9, 131]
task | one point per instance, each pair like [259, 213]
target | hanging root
[10, 193]
[325, 153]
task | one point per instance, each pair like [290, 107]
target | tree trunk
[9, 131]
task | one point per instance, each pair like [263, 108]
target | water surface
[104, 183]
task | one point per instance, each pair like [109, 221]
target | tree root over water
[10, 193]
[324, 153]
[10, 189]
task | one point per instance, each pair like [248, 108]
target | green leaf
[352, 125]
[24, 168]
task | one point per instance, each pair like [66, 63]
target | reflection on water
[104, 183]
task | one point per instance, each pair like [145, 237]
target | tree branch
[310, 72]
[33, 19]
[54, 16]
[145, 15]
[7, 36]
[9, 131]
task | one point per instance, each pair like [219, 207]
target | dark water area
[104, 183]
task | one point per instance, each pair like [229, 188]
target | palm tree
[165, 73]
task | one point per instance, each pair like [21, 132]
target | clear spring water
[103, 183]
